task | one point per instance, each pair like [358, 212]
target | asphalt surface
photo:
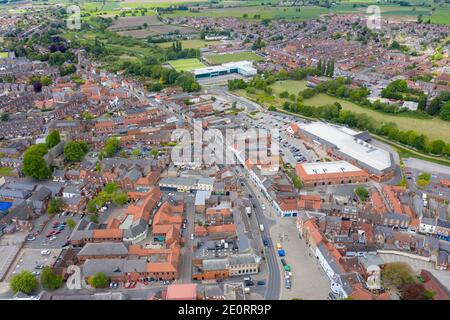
[274, 281]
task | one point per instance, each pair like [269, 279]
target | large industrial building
[244, 68]
[346, 144]
[327, 173]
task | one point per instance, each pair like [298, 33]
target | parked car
[283, 262]
[36, 273]
[31, 237]
[266, 242]
[39, 266]
[45, 252]
[261, 283]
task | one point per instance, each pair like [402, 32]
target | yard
[232, 57]
[186, 64]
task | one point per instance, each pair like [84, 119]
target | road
[274, 282]
[249, 106]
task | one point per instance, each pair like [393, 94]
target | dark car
[261, 283]
[283, 262]
[266, 242]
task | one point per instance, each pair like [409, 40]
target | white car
[192, 236]
[45, 252]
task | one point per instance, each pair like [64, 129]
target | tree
[397, 275]
[111, 147]
[93, 218]
[436, 146]
[4, 117]
[52, 139]
[49, 279]
[71, 223]
[55, 205]
[34, 165]
[362, 193]
[98, 280]
[136, 152]
[120, 198]
[154, 152]
[75, 150]
[111, 187]
[24, 282]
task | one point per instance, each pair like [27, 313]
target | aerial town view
[232, 150]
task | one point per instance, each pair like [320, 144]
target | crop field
[190, 44]
[186, 64]
[134, 26]
[300, 13]
[433, 128]
[232, 57]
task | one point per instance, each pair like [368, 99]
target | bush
[50, 280]
[98, 281]
[24, 282]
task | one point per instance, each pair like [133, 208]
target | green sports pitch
[186, 64]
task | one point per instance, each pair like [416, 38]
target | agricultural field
[186, 64]
[265, 12]
[191, 44]
[144, 26]
[232, 57]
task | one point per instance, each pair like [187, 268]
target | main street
[274, 283]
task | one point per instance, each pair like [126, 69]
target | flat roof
[329, 167]
[359, 150]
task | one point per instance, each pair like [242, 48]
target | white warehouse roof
[359, 150]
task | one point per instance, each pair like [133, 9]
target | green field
[186, 64]
[265, 12]
[190, 44]
[433, 128]
[6, 171]
[233, 57]
[3, 54]
[291, 86]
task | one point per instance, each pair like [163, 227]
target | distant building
[244, 68]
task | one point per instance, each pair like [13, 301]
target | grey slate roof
[103, 249]
[41, 194]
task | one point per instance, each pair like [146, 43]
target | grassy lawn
[233, 57]
[5, 171]
[190, 44]
[3, 54]
[433, 128]
[186, 64]
[291, 86]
